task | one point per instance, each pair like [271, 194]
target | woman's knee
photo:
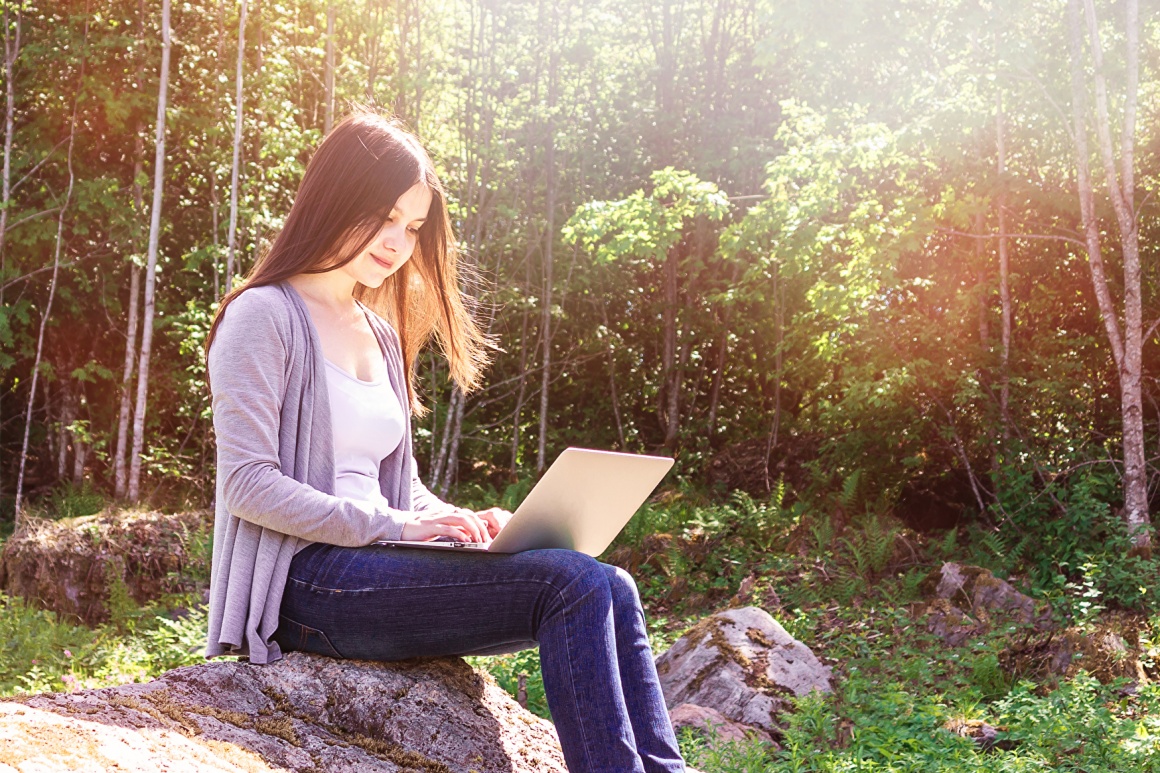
[571, 577]
[622, 586]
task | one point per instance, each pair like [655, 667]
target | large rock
[742, 663]
[714, 724]
[303, 713]
[968, 600]
[71, 565]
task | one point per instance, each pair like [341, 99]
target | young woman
[312, 370]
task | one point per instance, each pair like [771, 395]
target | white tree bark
[124, 414]
[1004, 270]
[11, 51]
[549, 240]
[1127, 347]
[120, 472]
[231, 238]
[151, 266]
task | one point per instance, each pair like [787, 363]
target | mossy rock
[83, 568]
[305, 713]
[1107, 650]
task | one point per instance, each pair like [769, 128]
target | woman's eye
[413, 230]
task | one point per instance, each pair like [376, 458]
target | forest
[881, 276]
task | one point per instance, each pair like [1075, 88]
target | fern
[851, 491]
[823, 533]
[881, 534]
[946, 547]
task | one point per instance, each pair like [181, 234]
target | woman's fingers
[473, 525]
[491, 520]
[495, 517]
[459, 524]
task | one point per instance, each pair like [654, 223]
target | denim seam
[572, 680]
[312, 586]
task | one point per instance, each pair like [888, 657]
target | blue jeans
[383, 603]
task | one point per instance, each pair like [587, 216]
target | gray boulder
[743, 664]
[969, 600]
[303, 713]
[713, 724]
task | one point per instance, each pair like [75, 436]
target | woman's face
[395, 241]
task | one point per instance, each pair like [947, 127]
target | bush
[41, 653]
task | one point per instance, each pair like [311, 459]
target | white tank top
[368, 427]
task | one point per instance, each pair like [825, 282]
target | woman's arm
[421, 497]
[247, 368]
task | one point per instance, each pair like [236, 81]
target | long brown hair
[350, 187]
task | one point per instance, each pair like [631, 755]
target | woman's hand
[457, 523]
[495, 518]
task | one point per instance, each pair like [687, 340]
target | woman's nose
[392, 237]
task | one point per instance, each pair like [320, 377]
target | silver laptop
[582, 502]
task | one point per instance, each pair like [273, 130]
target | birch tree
[1124, 332]
[124, 414]
[11, 52]
[231, 238]
[151, 265]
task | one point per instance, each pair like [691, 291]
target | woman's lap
[384, 603]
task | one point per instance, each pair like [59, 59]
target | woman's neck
[330, 290]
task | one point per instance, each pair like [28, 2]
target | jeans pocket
[294, 636]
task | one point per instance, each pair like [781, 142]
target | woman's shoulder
[257, 308]
[263, 298]
[256, 319]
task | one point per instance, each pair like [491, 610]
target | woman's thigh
[384, 603]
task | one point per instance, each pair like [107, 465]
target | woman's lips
[384, 263]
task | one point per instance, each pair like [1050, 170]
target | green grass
[41, 653]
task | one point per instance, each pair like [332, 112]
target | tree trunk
[66, 419]
[1127, 349]
[718, 374]
[231, 237]
[981, 262]
[445, 460]
[670, 378]
[11, 51]
[374, 34]
[51, 285]
[549, 242]
[521, 392]
[80, 451]
[1004, 272]
[456, 432]
[778, 370]
[151, 266]
[124, 414]
[612, 379]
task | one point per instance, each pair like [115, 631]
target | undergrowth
[849, 581]
[41, 653]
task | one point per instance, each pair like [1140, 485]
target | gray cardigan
[275, 464]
